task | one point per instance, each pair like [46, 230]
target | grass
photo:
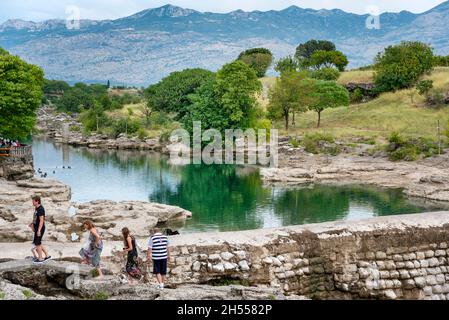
[27, 293]
[356, 76]
[2, 295]
[123, 112]
[376, 119]
[101, 296]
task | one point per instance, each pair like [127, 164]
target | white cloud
[37, 10]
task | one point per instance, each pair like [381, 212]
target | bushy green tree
[286, 64]
[236, 87]
[291, 93]
[75, 100]
[305, 50]
[171, 93]
[327, 59]
[330, 74]
[206, 107]
[94, 118]
[226, 102]
[55, 86]
[20, 95]
[401, 66]
[328, 94]
[260, 59]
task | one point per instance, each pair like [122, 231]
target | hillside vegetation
[393, 111]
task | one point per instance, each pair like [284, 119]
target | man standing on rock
[159, 251]
[38, 227]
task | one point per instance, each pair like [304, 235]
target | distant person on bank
[159, 252]
[38, 228]
[91, 252]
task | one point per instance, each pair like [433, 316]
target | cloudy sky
[37, 10]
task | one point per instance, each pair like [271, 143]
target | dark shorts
[37, 241]
[160, 267]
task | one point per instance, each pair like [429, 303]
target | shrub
[401, 148]
[165, 136]
[356, 96]
[142, 134]
[329, 74]
[402, 65]
[320, 143]
[125, 125]
[75, 129]
[424, 87]
[27, 293]
[101, 296]
[435, 98]
[294, 143]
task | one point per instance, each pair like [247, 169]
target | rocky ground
[64, 217]
[66, 129]
[58, 280]
[428, 178]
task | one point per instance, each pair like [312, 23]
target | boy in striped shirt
[159, 251]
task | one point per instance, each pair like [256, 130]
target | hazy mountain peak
[120, 50]
[18, 24]
[165, 11]
[443, 7]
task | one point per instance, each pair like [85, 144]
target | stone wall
[396, 257]
[16, 168]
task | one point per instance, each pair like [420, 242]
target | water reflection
[221, 198]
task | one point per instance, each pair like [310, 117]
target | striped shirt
[158, 243]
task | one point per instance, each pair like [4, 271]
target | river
[221, 197]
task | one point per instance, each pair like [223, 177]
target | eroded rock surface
[16, 213]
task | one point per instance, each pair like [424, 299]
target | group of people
[6, 143]
[158, 248]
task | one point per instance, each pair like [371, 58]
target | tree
[329, 74]
[424, 87]
[305, 50]
[327, 59]
[74, 100]
[401, 66]
[287, 64]
[171, 93]
[20, 95]
[55, 86]
[206, 107]
[290, 94]
[94, 118]
[236, 87]
[327, 94]
[260, 59]
[3, 52]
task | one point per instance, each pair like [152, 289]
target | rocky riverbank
[67, 129]
[427, 179]
[64, 217]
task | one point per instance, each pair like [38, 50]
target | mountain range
[143, 48]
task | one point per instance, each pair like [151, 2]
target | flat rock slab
[58, 266]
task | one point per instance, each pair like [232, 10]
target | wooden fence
[16, 152]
